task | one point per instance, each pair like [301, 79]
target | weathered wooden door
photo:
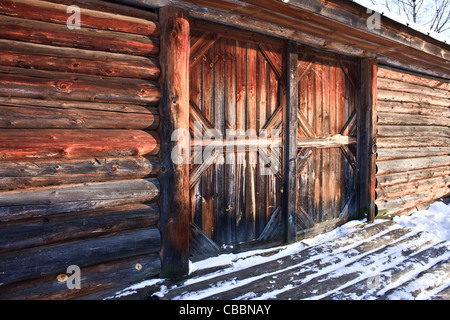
[327, 117]
[235, 91]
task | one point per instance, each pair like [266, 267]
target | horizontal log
[415, 187]
[251, 144]
[40, 202]
[396, 96]
[334, 141]
[38, 84]
[91, 39]
[398, 205]
[78, 226]
[413, 108]
[406, 142]
[73, 144]
[45, 57]
[96, 280]
[404, 165]
[46, 260]
[385, 118]
[111, 7]
[57, 13]
[83, 105]
[400, 86]
[407, 77]
[386, 180]
[29, 174]
[28, 117]
[238, 143]
[258, 26]
[408, 153]
[430, 131]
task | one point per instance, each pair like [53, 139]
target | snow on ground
[435, 222]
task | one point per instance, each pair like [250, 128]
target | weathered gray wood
[367, 139]
[80, 225]
[409, 201]
[28, 174]
[290, 126]
[385, 118]
[97, 282]
[329, 282]
[401, 86]
[47, 260]
[332, 141]
[413, 108]
[408, 153]
[434, 277]
[349, 15]
[272, 228]
[415, 187]
[326, 248]
[403, 165]
[395, 96]
[386, 180]
[430, 131]
[41, 202]
[413, 78]
[200, 244]
[415, 141]
[296, 275]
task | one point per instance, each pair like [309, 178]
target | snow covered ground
[408, 259]
[435, 220]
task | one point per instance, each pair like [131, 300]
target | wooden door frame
[174, 110]
[366, 140]
[206, 36]
[174, 114]
[290, 123]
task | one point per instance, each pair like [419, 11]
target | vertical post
[367, 131]
[175, 146]
[290, 142]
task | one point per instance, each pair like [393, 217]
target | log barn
[318, 117]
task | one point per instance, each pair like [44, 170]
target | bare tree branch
[433, 14]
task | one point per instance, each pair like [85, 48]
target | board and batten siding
[413, 163]
[78, 147]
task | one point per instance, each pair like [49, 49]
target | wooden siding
[413, 164]
[327, 117]
[78, 147]
[234, 85]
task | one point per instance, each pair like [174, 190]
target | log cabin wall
[413, 163]
[78, 147]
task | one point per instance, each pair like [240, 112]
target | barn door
[234, 93]
[326, 160]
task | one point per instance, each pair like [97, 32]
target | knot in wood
[63, 86]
